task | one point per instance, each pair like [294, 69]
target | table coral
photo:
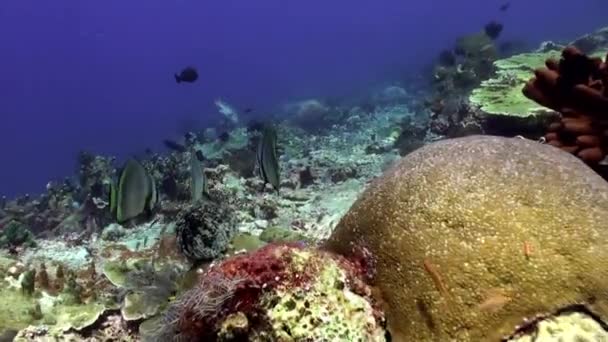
[501, 94]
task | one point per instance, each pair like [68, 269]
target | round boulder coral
[475, 236]
[204, 230]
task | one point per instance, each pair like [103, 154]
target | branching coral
[577, 87]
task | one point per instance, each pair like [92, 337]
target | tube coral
[577, 87]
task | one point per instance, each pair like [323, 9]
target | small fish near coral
[188, 75]
[174, 146]
[199, 184]
[493, 29]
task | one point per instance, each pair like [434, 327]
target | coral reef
[94, 174]
[457, 72]
[278, 293]
[471, 237]
[459, 241]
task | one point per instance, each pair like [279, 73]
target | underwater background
[98, 76]
[304, 171]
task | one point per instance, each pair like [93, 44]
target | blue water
[98, 75]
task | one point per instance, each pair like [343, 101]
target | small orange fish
[494, 300]
[436, 277]
[527, 249]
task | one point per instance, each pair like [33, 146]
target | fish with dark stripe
[267, 158]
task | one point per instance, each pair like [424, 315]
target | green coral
[116, 271]
[16, 234]
[246, 242]
[327, 310]
[570, 326]
[77, 317]
[15, 308]
[138, 306]
[18, 311]
[279, 234]
[149, 285]
[502, 95]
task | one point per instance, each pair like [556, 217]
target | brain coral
[474, 235]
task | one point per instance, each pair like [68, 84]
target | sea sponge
[204, 230]
[473, 235]
[577, 87]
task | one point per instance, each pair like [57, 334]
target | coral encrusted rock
[475, 236]
[281, 292]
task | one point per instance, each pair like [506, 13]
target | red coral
[236, 285]
[577, 87]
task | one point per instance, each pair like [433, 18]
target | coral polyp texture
[282, 292]
[474, 236]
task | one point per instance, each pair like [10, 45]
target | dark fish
[512, 47]
[447, 58]
[248, 110]
[504, 6]
[224, 137]
[493, 29]
[199, 155]
[175, 146]
[267, 158]
[255, 126]
[189, 75]
[198, 185]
